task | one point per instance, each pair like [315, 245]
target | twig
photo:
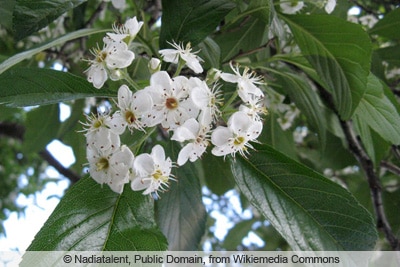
[47, 156]
[367, 165]
[17, 131]
[373, 182]
[390, 167]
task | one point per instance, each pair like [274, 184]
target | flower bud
[154, 65]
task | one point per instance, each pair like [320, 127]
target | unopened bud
[154, 65]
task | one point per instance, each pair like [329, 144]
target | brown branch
[52, 161]
[367, 165]
[390, 167]
[17, 131]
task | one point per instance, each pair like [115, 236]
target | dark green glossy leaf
[93, 217]
[308, 210]
[191, 20]
[31, 16]
[180, 211]
[33, 86]
[41, 127]
[388, 26]
[339, 51]
[377, 111]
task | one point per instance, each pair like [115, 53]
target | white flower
[291, 6]
[196, 134]
[132, 107]
[110, 166]
[171, 103]
[330, 6]
[206, 100]
[114, 55]
[191, 59]
[100, 131]
[247, 89]
[152, 172]
[254, 110]
[236, 137]
[368, 20]
[129, 29]
[290, 112]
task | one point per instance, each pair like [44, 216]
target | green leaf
[241, 38]
[339, 51]
[33, 86]
[388, 26]
[29, 53]
[375, 146]
[262, 9]
[390, 54]
[30, 17]
[93, 217]
[41, 127]
[306, 100]
[6, 13]
[180, 211]
[191, 20]
[210, 53]
[377, 111]
[235, 235]
[217, 174]
[308, 210]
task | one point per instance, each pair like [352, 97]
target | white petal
[139, 184]
[227, 77]
[170, 55]
[239, 122]
[184, 154]
[221, 135]
[124, 96]
[200, 97]
[161, 79]
[158, 154]
[187, 131]
[143, 165]
[97, 75]
[133, 26]
[120, 59]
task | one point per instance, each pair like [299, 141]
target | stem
[181, 63]
[143, 139]
[131, 82]
[230, 101]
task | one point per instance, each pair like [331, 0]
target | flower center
[101, 56]
[238, 140]
[97, 123]
[102, 164]
[130, 117]
[158, 175]
[171, 103]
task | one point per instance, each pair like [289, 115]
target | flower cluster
[187, 107]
